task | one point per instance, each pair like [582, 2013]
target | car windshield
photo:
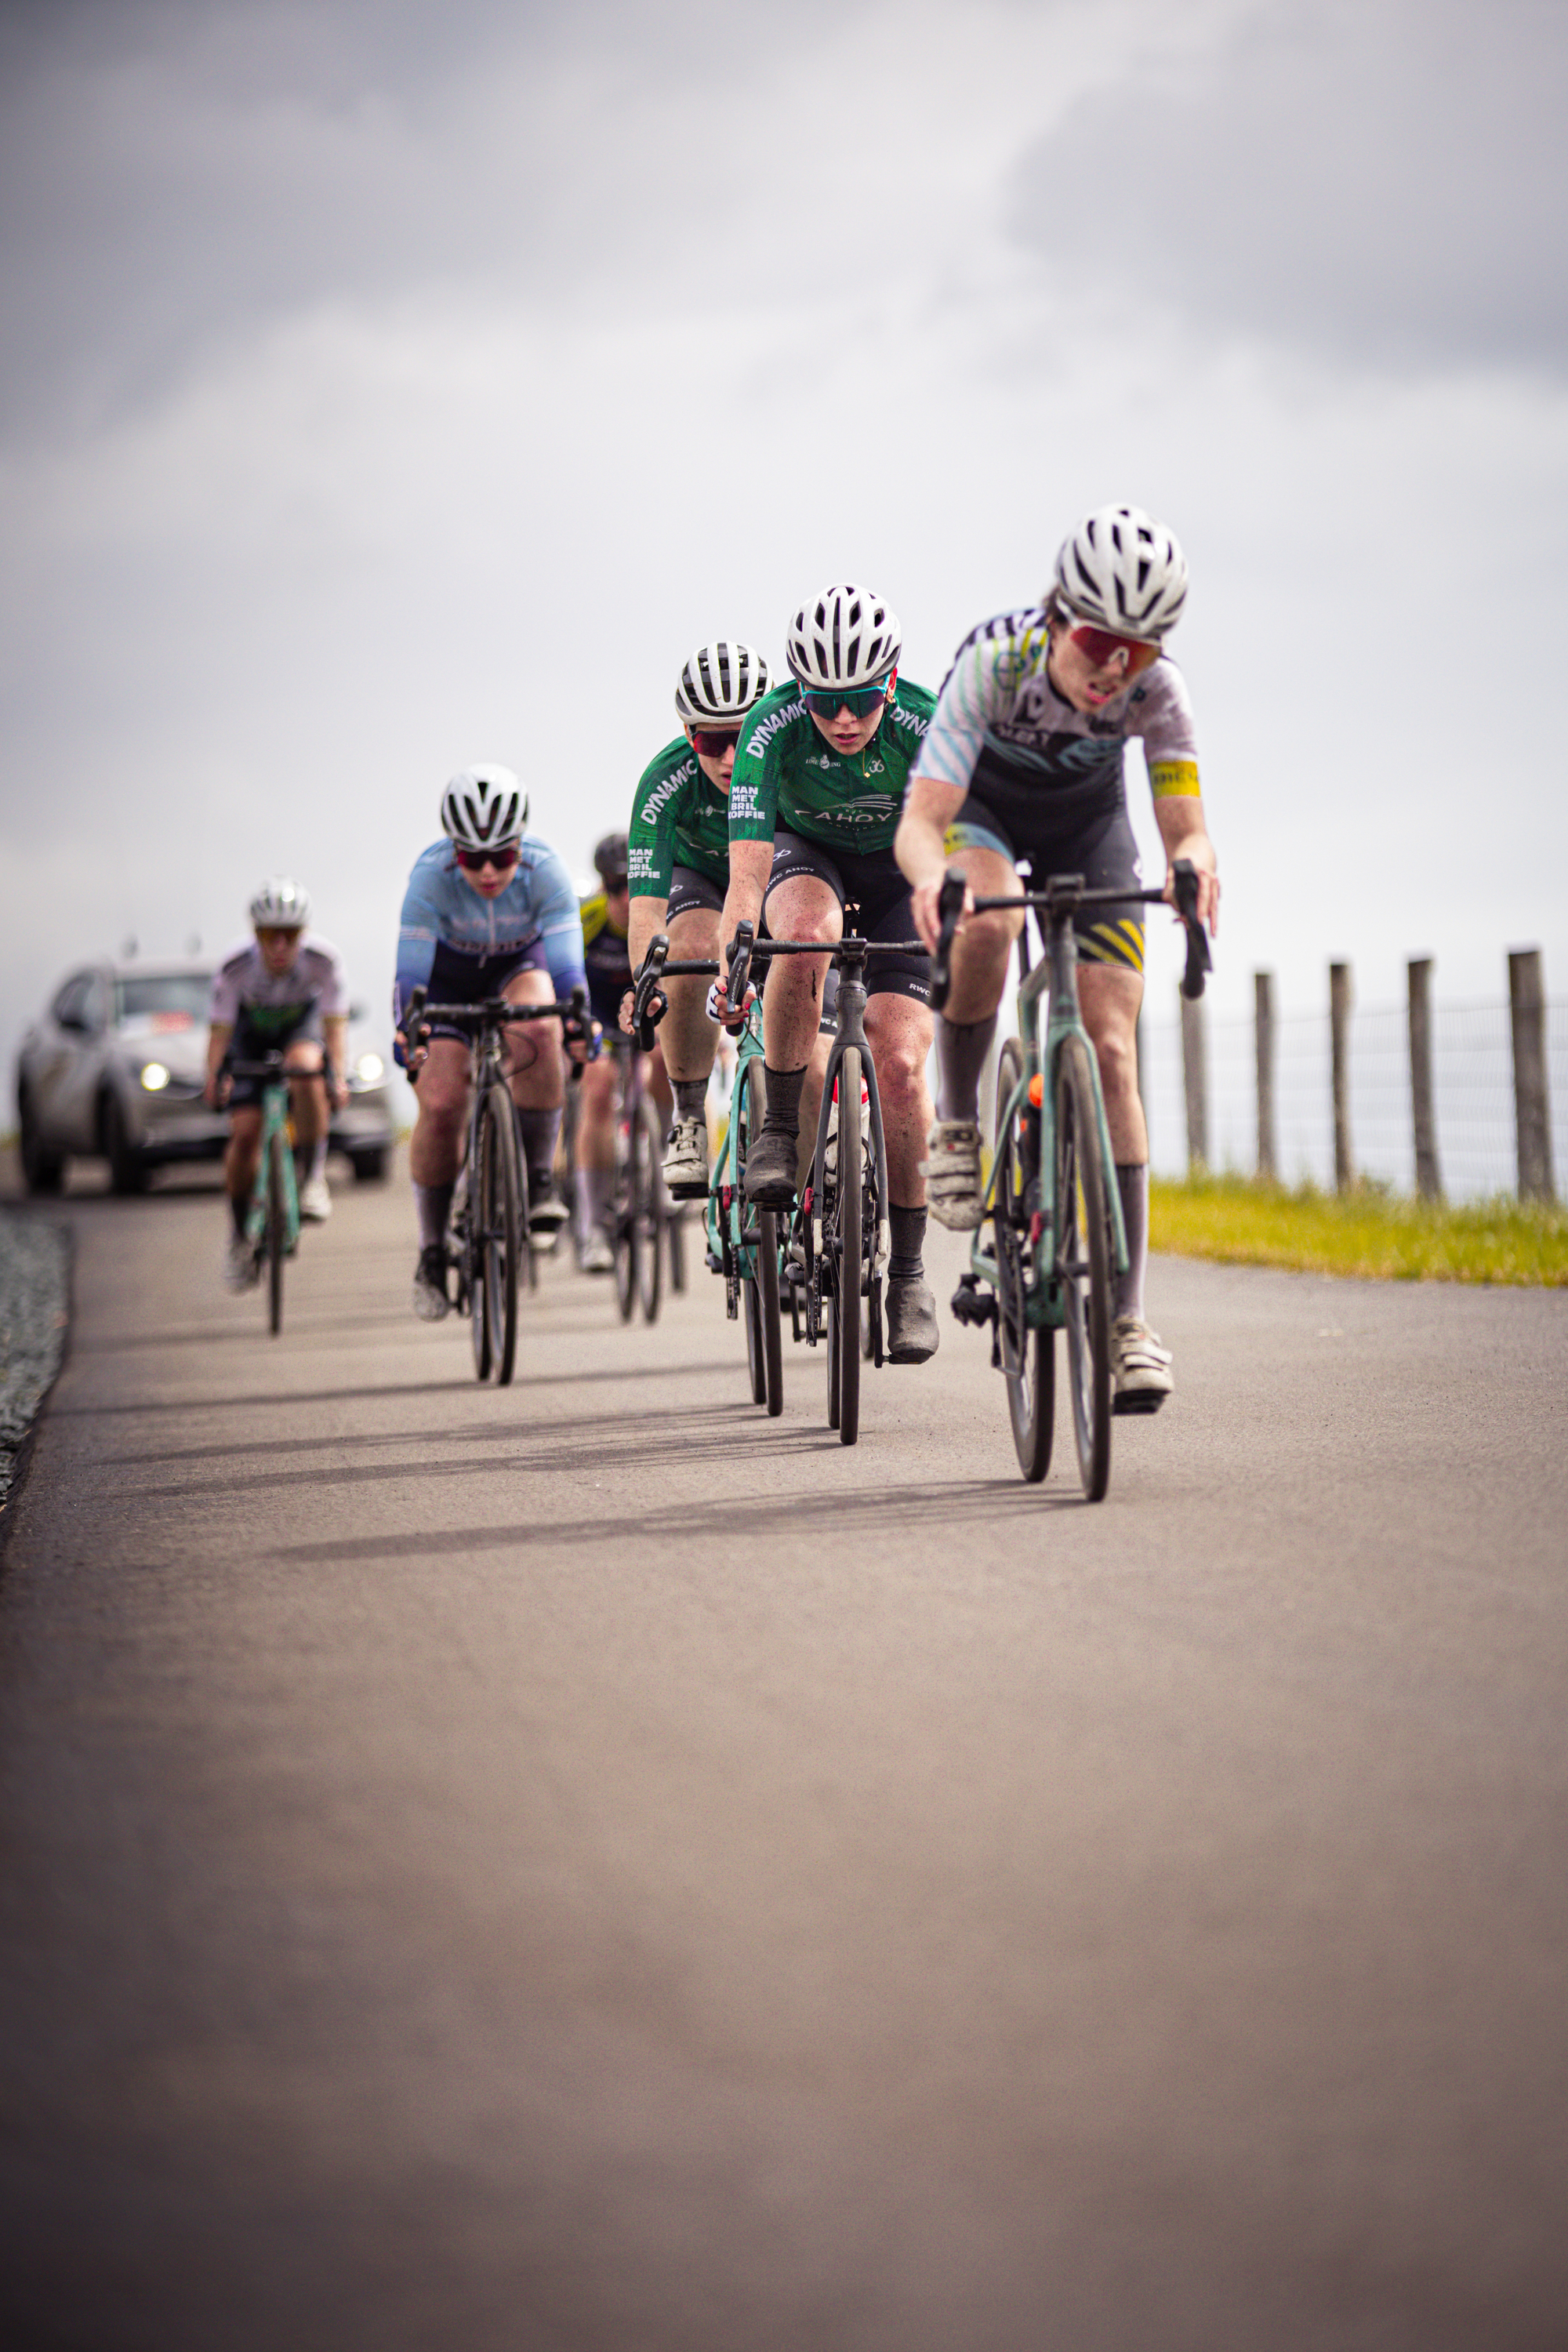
[182, 994]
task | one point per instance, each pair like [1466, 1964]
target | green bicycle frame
[274, 1121]
[1044, 1302]
[727, 1215]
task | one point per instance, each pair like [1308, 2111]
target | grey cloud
[1385, 182]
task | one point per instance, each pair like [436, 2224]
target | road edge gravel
[34, 1319]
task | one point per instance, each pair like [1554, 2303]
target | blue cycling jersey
[537, 908]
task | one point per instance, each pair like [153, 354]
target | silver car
[115, 1068]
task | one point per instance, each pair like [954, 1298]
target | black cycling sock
[960, 1050]
[434, 1202]
[691, 1098]
[907, 1231]
[539, 1130]
[240, 1209]
[1132, 1183]
[783, 1100]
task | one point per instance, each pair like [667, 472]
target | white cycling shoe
[315, 1201]
[595, 1255]
[240, 1271]
[1140, 1365]
[955, 1194]
[686, 1159]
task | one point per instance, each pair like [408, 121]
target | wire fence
[1472, 1081]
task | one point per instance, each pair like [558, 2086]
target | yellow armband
[1175, 779]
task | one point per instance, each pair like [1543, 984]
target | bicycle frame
[275, 1080]
[1045, 1303]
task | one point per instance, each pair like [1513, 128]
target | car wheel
[42, 1171]
[127, 1170]
[370, 1167]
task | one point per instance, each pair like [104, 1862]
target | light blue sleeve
[559, 920]
[417, 933]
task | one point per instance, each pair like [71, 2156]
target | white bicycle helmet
[280, 906]
[484, 808]
[847, 636]
[721, 681]
[1123, 571]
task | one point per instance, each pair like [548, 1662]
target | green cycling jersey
[788, 773]
[680, 817]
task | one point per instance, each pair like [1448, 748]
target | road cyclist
[817, 785]
[1023, 765]
[489, 911]
[600, 1108]
[280, 992]
[678, 849]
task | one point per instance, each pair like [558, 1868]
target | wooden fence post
[1263, 1009]
[1194, 1075]
[1532, 1103]
[1428, 1183]
[1339, 1040]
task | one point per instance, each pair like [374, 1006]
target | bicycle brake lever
[950, 908]
[740, 955]
[1200, 963]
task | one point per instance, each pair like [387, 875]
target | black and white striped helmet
[1124, 571]
[484, 808]
[721, 681]
[847, 636]
[280, 906]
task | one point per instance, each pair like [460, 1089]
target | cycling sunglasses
[859, 700]
[714, 742]
[474, 861]
[1101, 645]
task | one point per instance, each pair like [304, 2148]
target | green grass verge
[1367, 1232]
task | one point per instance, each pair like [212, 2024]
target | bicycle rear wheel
[1029, 1351]
[675, 1233]
[1084, 1262]
[276, 1237]
[767, 1289]
[500, 1228]
[471, 1279]
[624, 1222]
[647, 1150]
[843, 1253]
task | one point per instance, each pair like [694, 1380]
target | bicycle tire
[501, 1229]
[623, 1224]
[675, 1234]
[767, 1290]
[472, 1280]
[1084, 1262]
[750, 1295]
[1028, 1352]
[756, 1367]
[847, 1204]
[647, 1146]
[277, 1229]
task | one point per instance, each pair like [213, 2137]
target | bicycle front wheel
[276, 1239]
[1084, 1261]
[844, 1251]
[767, 1290]
[647, 1151]
[624, 1223]
[1029, 1351]
[500, 1230]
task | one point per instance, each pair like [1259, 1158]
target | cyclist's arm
[1185, 834]
[645, 921]
[218, 1036]
[751, 863]
[335, 1031]
[929, 807]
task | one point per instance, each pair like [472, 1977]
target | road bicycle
[273, 1222]
[1056, 1241]
[743, 1241]
[838, 1246]
[486, 1238]
[644, 1223]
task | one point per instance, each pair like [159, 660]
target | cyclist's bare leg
[1110, 996]
[804, 908]
[982, 951]
[441, 1104]
[534, 1050]
[596, 1116]
[899, 1031]
[686, 1033]
[240, 1159]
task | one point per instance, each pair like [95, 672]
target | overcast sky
[388, 386]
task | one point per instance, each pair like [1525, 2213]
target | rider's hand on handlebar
[923, 897]
[1200, 854]
[718, 1007]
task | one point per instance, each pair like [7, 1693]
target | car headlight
[369, 1068]
[154, 1077]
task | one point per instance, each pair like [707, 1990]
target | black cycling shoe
[769, 1170]
[547, 1213]
[430, 1299]
[911, 1309]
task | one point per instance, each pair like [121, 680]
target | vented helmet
[847, 636]
[484, 808]
[721, 681]
[280, 906]
[611, 857]
[1124, 571]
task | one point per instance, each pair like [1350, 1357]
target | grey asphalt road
[584, 1866]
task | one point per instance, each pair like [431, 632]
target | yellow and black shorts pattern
[1102, 849]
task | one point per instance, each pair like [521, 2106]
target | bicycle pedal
[971, 1305]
